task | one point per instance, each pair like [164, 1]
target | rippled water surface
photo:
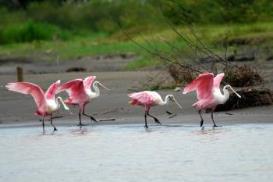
[131, 153]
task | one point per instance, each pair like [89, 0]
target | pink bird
[45, 101]
[148, 99]
[80, 93]
[208, 92]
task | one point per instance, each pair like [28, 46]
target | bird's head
[62, 102]
[171, 98]
[228, 87]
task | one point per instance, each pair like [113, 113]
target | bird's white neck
[165, 101]
[96, 88]
[95, 92]
[222, 98]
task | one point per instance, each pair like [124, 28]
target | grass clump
[142, 63]
[31, 31]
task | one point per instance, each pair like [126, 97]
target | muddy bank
[115, 62]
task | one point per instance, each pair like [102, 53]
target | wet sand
[17, 109]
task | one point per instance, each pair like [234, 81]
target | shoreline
[221, 118]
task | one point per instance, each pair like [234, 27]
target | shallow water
[131, 153]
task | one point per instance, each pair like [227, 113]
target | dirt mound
[180, 74]
[242, 76]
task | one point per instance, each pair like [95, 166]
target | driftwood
[76, 69]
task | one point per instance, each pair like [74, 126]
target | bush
[95, 15]
[217, 11]
[31, 31]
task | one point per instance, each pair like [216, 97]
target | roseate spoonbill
[80, 93]
[46, 102]
[208, 92]
[148, 99]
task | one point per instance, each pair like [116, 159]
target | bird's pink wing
[28, 88]
[141, 98]
[52, 89]
[74, 88]
[88, 81]
[217, 80]
[71, 85]
[202, 85]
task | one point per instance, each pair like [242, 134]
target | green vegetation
[30, 31]
[69, 29]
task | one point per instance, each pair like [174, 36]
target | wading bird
[148, 99]
[208, 92]
[46, 102]
[80, 93]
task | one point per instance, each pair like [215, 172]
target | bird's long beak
[235, 92]
[177, 103]
[64, 105]
[103, 86]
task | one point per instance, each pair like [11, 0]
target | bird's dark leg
[214, 125]
[202, 120]
[89, 116]
[156, 120]
[51, 122]
[145, 117]
[80, 119]
[43, 124]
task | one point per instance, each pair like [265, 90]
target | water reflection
[79, 131]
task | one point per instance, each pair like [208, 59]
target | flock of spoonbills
[82, 91]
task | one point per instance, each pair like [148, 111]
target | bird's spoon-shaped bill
[235, 92]
[177, 103]
[103, 86]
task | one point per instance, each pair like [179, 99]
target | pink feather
[77, 91]
[37, 93]
[88, 81]
[51, 91]
[141, 98]
[217, 80]
[28, 88]
[204, 85]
